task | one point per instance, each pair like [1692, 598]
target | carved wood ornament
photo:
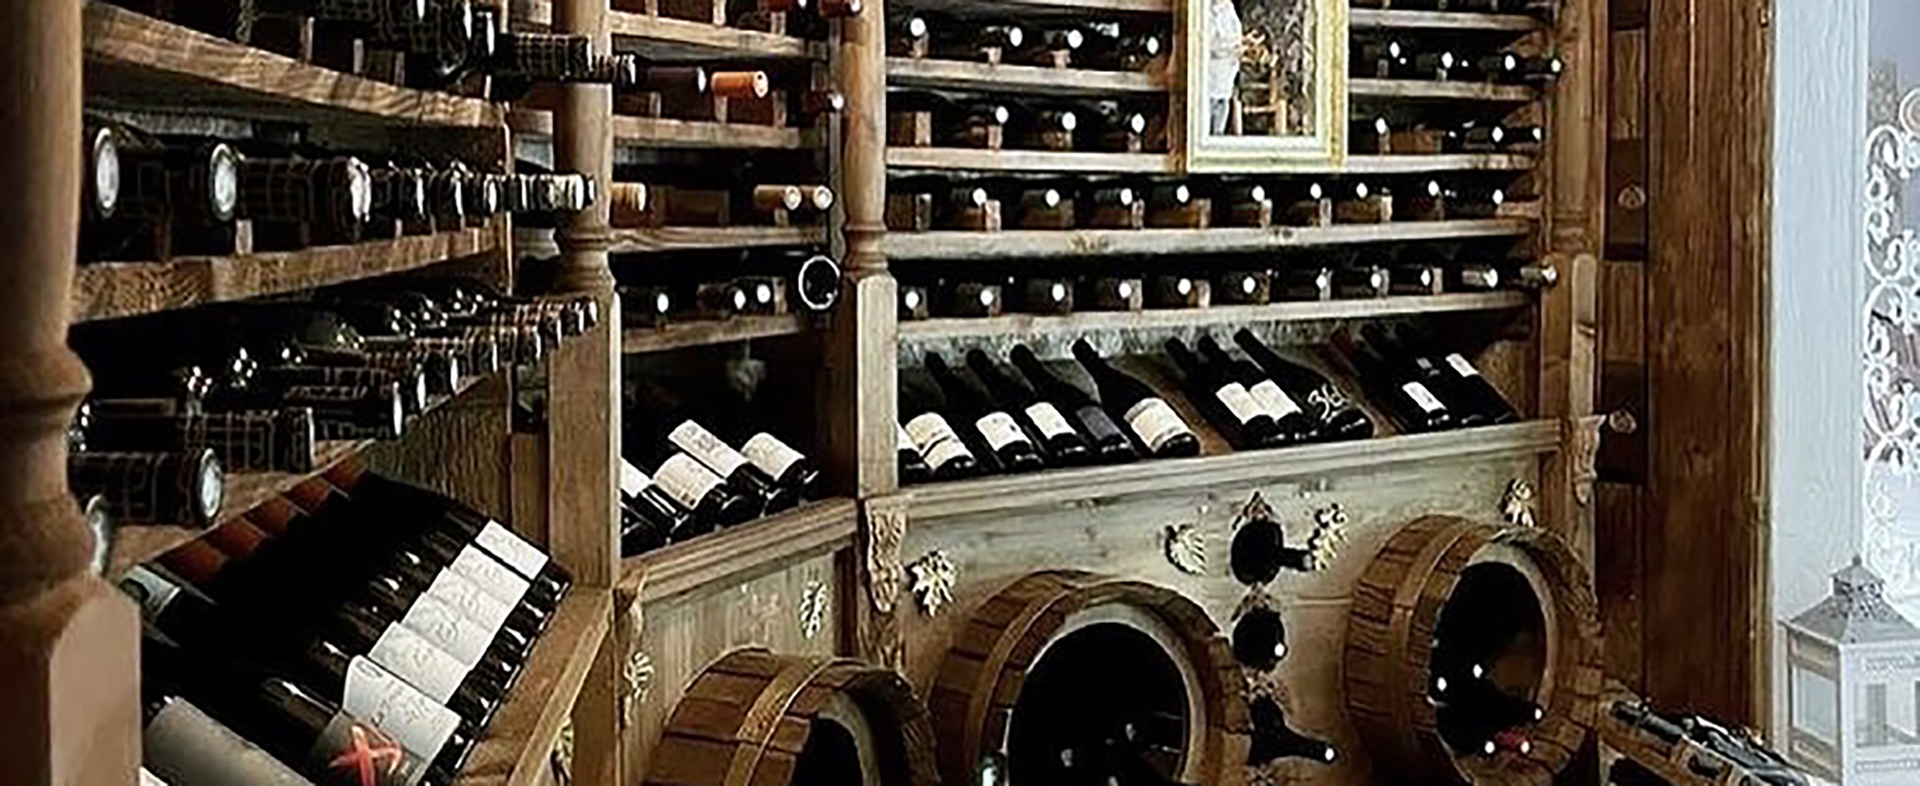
[887, 525]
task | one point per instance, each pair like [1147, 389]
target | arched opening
[1071, 725]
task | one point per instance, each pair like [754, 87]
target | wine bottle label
[1273, 400]
[1461, 366]
[416, 660]
[149, 589]
[353, 752]
[1424, 397]
[902, 440]
[703, 445]
[422, 725]
[1155, 422]
[1098, 424]
[1327, 400]
[632, 480]
[511, 549]
[1239, 403]
[497, 579]
[772, 456]
[1000, 430]
[149, 779]
[936, 440]
[685, 480]
[449, 628]
[185, 746]
[1049, 421]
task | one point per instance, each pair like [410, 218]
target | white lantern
[1853, 686]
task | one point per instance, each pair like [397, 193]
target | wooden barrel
[746, 720]
[980, 679]
[1391, 629]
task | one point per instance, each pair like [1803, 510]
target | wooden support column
[69, 643]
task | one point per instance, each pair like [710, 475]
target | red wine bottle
[1291, 422]
[1041, 419]
[418, 510]
[1223, 399]
[743, 476]
[691, 485]
[1151, 421]
[947, 455]
[182, 744]
[1335, 416]
[185, 489]
[1463, 377]
[910, 465]
[1104, 437]
[649, 518]
[989, 427]
[1406, 398]
[1411, 367]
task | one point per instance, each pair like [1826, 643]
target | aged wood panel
[1627, 88]
[1618, 575]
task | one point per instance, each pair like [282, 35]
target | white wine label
[352, 752]
[1461, 366]
[150, 779]
[1049, 421]
[419, 724]
[1273, 400]
[1000, 430]
[1424, 397]
[703, 445]
[449, 628]
[1239, 403]
[772, 456]
[473, 602]
[1155, 422]
[632, 480]
[902, 440]
[509, 548]
[416, 660]
[149, 589]
[936, 440]
[685, 480]
[498, 580]
[185, 746]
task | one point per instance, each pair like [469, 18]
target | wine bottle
[194, 183]
[1291, 422]
[910, 465]
[1052, 47]
[1110, 47]
[182, 744]
[1259, 551]
[1462, 380]
[1407, 399]
[1259, 639]
[1223, 399]
[691, 485]
[1427, 371]
[991, 426]
[742, 475]
[1335, 416]
[142, 489]
[1040, 418]
[1108, 443]
[947, 455]
[1274, 739]
[657, 519]
[908, 35]
[1484, 704]
[334, 196]
[1152, 422]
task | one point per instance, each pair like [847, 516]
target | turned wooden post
[69, 648]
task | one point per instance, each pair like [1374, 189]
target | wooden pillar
[69, 648]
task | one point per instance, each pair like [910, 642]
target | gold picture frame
[1263, 123]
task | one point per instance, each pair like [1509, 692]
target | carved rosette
[1187, 548]
[562, 756]
[886, 528]
[1518, 502]
[814, 602]
[933, 578]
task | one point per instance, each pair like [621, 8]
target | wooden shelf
[812, 528]
[1071, 486]
[1426, 90]
[516, 746]
[705, 332]
[1446, 162]
[1028, 160]
[1394, 19]
[983, 77]
[245, 491]
[1044, 7]
[666, 38]
[138, 61]
[1089, 321]
[105, 290]
[630, 131]
[539, 242]
[1019, 244]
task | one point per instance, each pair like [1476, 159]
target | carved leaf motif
[562, 757]
[1329, 531]
[1517, 503]
[887, 524]
[1187, 548]
[933, 578]
[638, 675]
[813, 608]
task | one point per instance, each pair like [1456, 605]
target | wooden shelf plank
[1028, 160]
[1044, 7]
[1448, 162]
[1427, 90]
[516, 745]
[706, 332]
[1018, 244]
[810, 529]
[1072, 486]
[666, 38]
[1396, 19]
[1089, 321]
[138, 61]
[967, 75]
[105, 290]
[539, 242]
[630, 131]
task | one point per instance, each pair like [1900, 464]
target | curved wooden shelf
[984, 77]
[537, 242]
[812, 528]
[1018, 244]
[970, 159]
[105, 290]
[706, 332]
[1395, 19]
[1092, 321]
[1077, 486]
[516, 747]
[135, 60]
[630, 131]
[1425, 90]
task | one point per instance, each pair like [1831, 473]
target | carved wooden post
[68, 642]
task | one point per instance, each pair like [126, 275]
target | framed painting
[1266, 84]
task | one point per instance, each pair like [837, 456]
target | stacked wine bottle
[365, 634]
[680, 480]
[756, 283]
